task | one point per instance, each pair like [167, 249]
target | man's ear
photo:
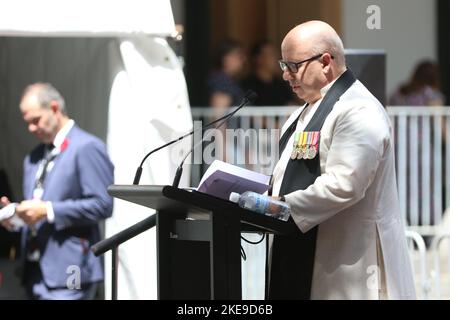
[326, 62]
[54, 106]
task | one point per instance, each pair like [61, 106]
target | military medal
[294, 154]
[308, 145]
[312, 152]
[314, 145]
[295, 148]
[298, 147]
[300, 153]
[302, 149]
[304, 152]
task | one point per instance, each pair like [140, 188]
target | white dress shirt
[57, 142]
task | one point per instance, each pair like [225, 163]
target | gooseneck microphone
[250, 96]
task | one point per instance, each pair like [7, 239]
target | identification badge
[38, 192]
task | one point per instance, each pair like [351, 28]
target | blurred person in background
[423, 89]
[64, 184]
[224, 91]
[265, 77]
[223, 83]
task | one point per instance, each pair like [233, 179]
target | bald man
[337, 172]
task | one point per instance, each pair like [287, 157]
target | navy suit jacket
[76, 187]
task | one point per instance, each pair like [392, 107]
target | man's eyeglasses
[294, 66]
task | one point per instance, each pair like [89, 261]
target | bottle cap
[234, 197]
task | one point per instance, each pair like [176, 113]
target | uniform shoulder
[358, 96]
[360, 106]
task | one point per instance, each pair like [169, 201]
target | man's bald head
[316, 37]
[313, 57]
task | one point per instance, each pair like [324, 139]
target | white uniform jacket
[361, 250]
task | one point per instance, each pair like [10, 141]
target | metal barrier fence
[423, 282]
[422, 144]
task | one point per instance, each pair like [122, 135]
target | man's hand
[31, 211]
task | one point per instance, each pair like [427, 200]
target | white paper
[222, 178]
[8, 212]
[218, 165]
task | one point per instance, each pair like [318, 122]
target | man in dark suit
[65, 181]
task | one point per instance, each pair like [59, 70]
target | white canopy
[85, 18]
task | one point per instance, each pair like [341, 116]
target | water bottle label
[262, 204]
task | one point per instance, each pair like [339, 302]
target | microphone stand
[179, 172]
[249, 96]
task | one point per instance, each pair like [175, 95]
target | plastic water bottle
[262, 204]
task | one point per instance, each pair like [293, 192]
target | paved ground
[432, 275]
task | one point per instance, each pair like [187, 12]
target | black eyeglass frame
[289, 65]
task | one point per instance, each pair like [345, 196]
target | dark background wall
[443, 13]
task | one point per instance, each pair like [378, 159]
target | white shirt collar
[308, 107]
[323, 92]
[311, 108]
[325, 89]
[62, 134]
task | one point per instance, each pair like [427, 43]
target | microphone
[249, 96]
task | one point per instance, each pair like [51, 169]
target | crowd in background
[236, 72]
[423, 89]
